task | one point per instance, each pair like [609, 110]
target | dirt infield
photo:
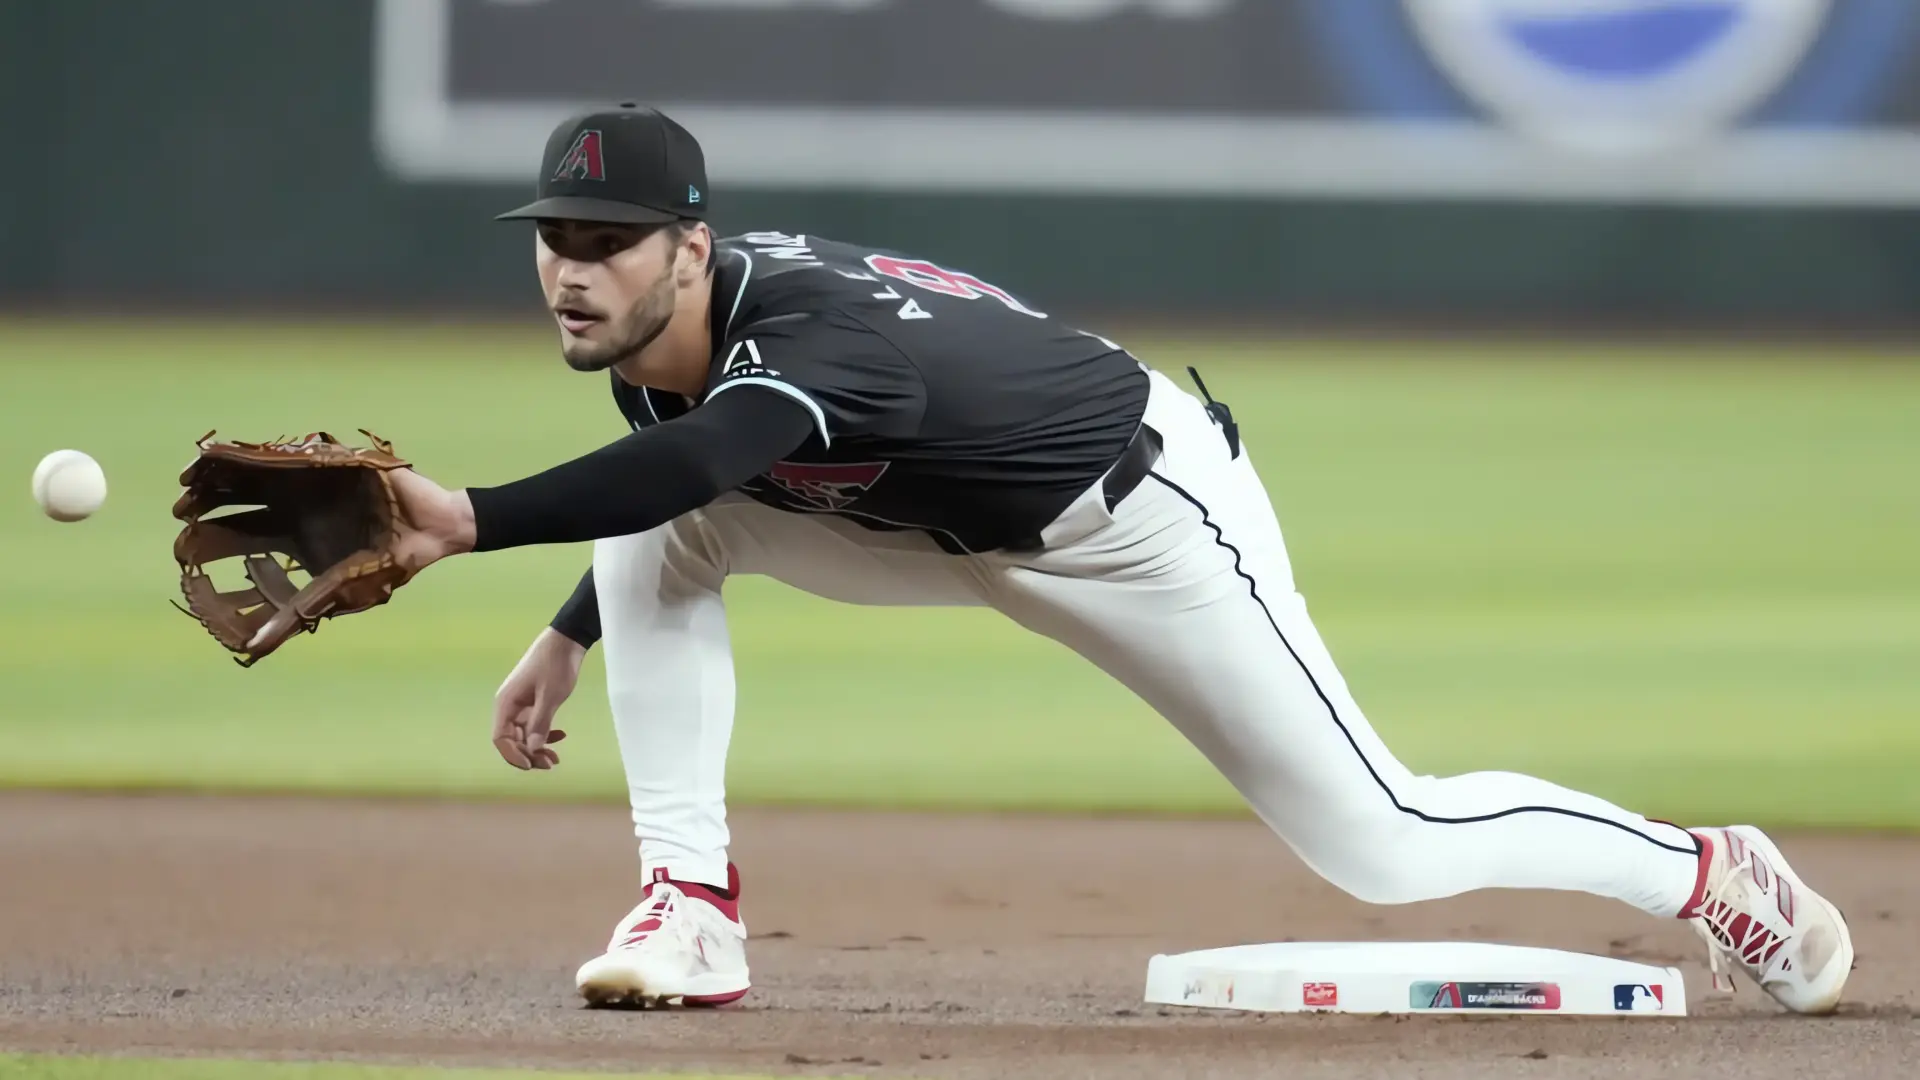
[885, 944]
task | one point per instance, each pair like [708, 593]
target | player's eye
[588, 246]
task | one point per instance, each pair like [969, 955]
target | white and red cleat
[684, 943]
[1756, 914]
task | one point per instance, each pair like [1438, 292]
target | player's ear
[695, 251]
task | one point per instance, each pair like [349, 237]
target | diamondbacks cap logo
[827, 487]
[582, 160]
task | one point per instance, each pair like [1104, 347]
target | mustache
[574, 303]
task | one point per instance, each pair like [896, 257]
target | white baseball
[69, 485]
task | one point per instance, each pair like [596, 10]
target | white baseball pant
[1185, 595]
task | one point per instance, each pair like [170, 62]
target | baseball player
[877, 428]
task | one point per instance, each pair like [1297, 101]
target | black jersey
[940, 402]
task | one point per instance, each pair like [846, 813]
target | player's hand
[523, 730]
[438, 522]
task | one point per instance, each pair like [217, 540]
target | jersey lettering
[946, 282]
[781, 246]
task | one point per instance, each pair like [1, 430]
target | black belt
[1132, 468]
[1121, 480]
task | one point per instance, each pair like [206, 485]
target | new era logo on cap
[583, 160]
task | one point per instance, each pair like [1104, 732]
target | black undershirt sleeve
[578, 619]
[647, 478]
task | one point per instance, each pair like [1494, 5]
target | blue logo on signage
[1619, 41]
[1619, 76]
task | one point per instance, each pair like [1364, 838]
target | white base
[1414, 977]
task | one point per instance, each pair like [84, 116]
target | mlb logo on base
[1639, 997]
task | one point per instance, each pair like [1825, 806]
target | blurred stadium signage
[1614, 76]
[1716, 101]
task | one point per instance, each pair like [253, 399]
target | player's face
[610, 287]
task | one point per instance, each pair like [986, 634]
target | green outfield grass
[50, 1067]
[1688, 580]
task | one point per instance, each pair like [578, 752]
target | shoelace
[664, 909]
[1755, 944]
[1717, 961]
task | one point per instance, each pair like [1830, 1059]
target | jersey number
[932, 278]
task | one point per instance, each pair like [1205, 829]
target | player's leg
[1189, 599]
[1186, 595]
[669, 656]
[670, 681]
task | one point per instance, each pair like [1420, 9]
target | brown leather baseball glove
[324, 509]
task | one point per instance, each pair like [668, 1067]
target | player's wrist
[562, 644]
[462, 533]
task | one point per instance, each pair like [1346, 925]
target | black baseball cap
[628, 164]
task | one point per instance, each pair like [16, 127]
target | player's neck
[678, 360]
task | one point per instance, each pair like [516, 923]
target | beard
[634, 331]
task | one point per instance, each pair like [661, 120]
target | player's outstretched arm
[636, 484]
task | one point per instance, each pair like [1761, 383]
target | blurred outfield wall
[1721, 160]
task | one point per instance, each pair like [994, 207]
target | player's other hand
[438, 522]
[523, 730]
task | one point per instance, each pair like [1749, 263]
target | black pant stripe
[1254, 588]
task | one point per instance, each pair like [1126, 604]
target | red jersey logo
[827, 487]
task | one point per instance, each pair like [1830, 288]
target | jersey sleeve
[852, 381]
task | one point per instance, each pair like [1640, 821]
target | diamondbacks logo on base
[582, 160]
[1639, 997]
[1483, 995]
[827, 487]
